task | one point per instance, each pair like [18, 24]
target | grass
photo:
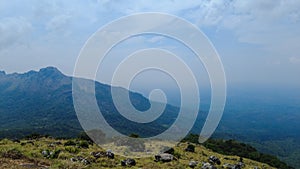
[14, 155]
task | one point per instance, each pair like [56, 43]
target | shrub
[72, 149]
[84, 136]
[177, 154]
[83, 144]
[70, 143]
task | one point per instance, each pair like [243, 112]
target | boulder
[85, 161]
[193, 164]
[164, 157]
[110, 155]
[128, 162]
[99, 154]
[208, 166]
[214, 160]
[239, 165]
[45, 153]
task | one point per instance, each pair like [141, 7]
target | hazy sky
[258, 41]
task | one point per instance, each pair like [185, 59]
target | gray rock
[128, 162]
[193, 164]
[208, 166]
[110, 155]
[45, 153]
[240, 165]
[99, 154]
[85, 161]
[164, 157]
[80, 159]
[214, 160]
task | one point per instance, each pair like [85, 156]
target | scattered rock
[208, 166]
[214, 160]
[85, 161]
[128, 162]
[80, 159]
[164, 157]
[239, 165]
[193, 164]
[110, 155]
[99, 154]
[50, 154]
[45, 153]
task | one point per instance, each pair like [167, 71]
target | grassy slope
[31, 157]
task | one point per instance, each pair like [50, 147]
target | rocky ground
[60, 153]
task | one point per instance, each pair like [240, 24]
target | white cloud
[271, 25]
[13, 30]
[59, 22]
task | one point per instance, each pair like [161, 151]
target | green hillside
[60, 153]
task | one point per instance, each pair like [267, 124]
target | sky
[258, 41]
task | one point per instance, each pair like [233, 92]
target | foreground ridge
[47, 152]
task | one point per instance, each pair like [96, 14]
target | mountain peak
[2, 73]
[50, 71]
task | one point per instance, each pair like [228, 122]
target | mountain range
[41, 102]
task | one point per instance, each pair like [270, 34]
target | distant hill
[41, 102]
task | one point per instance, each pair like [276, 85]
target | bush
[190, 148]
[84, 136]
[70, 143]
[72, 149]
[177, 154]
[83, 144]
